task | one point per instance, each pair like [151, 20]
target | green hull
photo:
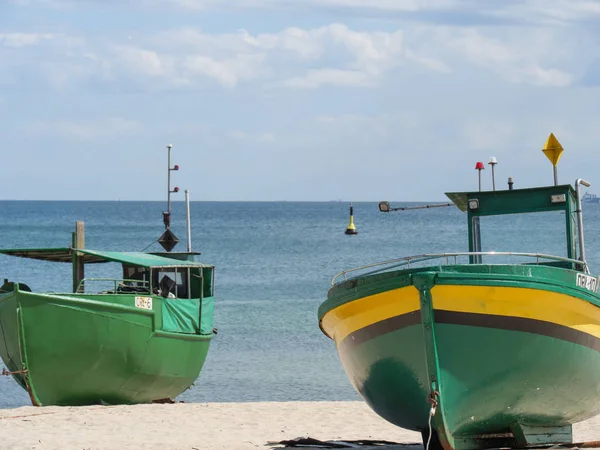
[497, 378]
[506, 369]
[71, 349]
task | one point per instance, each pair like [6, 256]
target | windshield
[541, 232]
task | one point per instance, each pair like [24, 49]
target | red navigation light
[479, 166]
[175, 167]
[176, 189]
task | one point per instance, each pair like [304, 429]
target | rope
[151, 243]
[429, 436]
[434, 404]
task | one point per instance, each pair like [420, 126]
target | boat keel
[527, 436]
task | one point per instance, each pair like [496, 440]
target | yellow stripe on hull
[350, 317]
[537, 304]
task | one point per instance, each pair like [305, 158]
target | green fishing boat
[140, 337]
[479, 349]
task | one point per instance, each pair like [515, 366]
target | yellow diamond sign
[553, 150]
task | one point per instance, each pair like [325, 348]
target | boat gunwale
[79, 299]
[340, 294]
[407, 260]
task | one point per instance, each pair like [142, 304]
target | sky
[294, 100]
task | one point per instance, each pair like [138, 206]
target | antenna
[168, 240]
[492, 162]
[188, 223]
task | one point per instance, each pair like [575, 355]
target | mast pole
[189, 226]
[169, 183]
[579, 182]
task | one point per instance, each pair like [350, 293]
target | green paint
[540, 276]
[91, 348]
[518, 201]
[423, 282]
[502, 380]
[489, 378]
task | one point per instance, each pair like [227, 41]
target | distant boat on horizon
[590, 198]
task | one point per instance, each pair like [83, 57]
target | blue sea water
[274, 264]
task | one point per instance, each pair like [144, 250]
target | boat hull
[507, 352]
[77, 350]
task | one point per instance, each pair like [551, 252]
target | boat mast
[78, 242]
[188, 221]
[168, 240]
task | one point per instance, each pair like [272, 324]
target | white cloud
[228, 71]
[524, 11]
[519, 54]
[144, 62]
[317, 78]
[204, 5]
[18, 40]
[332, 55]
[551, 12]
[87, 130]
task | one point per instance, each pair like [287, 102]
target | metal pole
[555, 177]
[479, 180]
[578, 182]
[189, 227]
[406, 208]
[169, 180]
[493, 179]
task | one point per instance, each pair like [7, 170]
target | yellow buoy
[351, 228]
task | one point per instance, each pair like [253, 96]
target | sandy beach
[204, 426]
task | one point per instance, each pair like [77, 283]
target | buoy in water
[351, 228]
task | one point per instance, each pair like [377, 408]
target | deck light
[473, 204]
[175, 189]
[175, 167]
[384, 206]
[479, 167]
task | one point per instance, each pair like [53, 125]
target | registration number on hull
[587, 282]
[143, 302]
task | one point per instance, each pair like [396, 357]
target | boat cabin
[548, 214]
[143, 273]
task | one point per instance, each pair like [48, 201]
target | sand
[203, 426]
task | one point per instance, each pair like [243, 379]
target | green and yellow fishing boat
[478, 349]
[140, 337]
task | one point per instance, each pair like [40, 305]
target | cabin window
[541, 232]
[135, 279]
[172, 282]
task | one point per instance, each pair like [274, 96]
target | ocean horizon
[274, 264]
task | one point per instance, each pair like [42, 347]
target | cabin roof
[515, 201]
[65, 254]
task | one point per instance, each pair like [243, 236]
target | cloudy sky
[294, 99]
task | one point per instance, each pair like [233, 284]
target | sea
[274, 265]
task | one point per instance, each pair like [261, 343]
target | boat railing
[450, 258]
[124, 286]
